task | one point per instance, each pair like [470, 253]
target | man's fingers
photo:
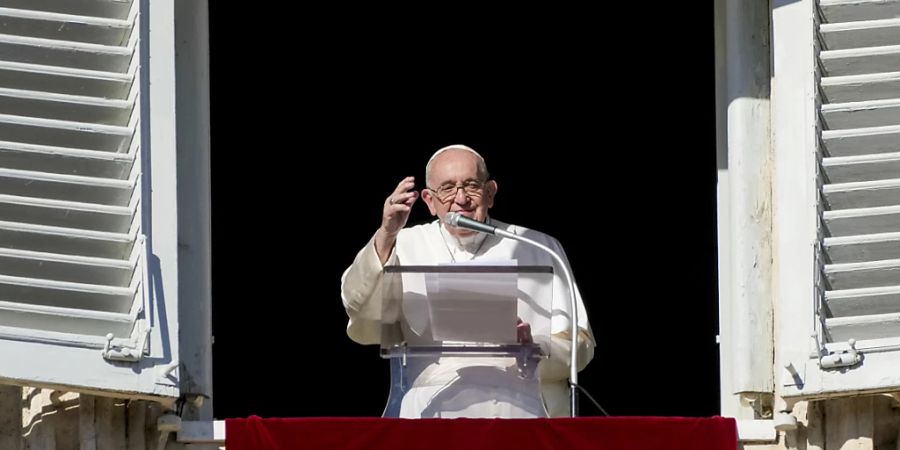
[405, 185]
[403, 193]
[407, 198]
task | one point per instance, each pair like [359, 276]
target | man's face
[455, 187]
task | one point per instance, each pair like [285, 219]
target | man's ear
[428, 198]
[490, 190]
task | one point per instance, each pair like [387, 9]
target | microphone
[460, 221]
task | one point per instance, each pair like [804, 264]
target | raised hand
[398, 205]
[394, 216]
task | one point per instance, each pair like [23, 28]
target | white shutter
[859, 64]
[837, 134]
[73, 253]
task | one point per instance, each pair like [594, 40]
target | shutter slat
[74, 268]
[66, 320]
[43, 78]
[45, 52]
[871, 113]
[67, 125]
[866, 33]
[861, 168]
[65, 213]
[111, 9]
[71, 241]
[857, 10]
[864, 327]
[34, 176]
[63, 133]
[849, 222]
[37, 43]
[858, 61]
[64, 18]
[66, 259]
[852, 302]
[66, 98]
[862, 194]
[66, 151]
[863, 274]
[867, 247]
[65, 164]
[67, 187]
[856, 88]
[110, 275]
[862, 141]
[66, 286]
[67, 205]
[64, 72]
[41, 292]
[65, 107]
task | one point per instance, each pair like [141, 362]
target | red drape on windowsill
[606, 433]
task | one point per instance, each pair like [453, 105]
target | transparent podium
[466, 340]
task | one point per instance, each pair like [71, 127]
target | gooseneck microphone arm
[458, 220]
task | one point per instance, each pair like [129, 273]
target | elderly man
[457, 180]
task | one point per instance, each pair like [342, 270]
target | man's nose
[460, 197]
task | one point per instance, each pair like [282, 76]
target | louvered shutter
[75, 294]
[859, 178]
[836, 196]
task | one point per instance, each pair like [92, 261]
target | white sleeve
[561, 317]
[361, 294]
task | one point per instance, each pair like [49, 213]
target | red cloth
[606, 433]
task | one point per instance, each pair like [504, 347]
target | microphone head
[452, 218]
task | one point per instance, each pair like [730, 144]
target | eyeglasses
[447, 192]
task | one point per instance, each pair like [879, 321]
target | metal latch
[834, 360]
[123, 353]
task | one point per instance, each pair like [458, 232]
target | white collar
[468, 245]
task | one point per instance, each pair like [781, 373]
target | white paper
[473, 307]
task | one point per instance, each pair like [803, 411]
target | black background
[599, 127]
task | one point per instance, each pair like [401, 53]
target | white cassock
[460, 386]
